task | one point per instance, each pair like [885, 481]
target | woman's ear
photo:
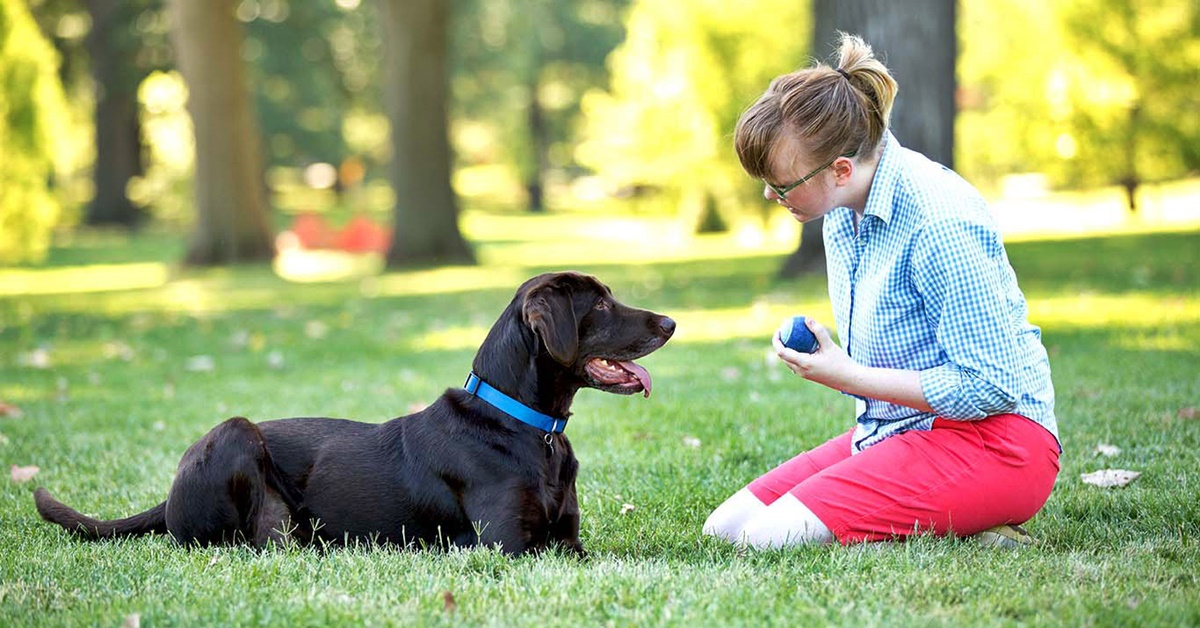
[843, 170]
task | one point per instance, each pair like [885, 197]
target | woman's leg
[729, 520]
[785, 522]
[961, 477]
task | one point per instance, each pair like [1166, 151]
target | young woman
[955, 430]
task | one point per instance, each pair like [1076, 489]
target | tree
[425, 226]
[917, 41]
[231, 207]
[521, 68]
[1149, 65]
[32, 107]
[681, 78]
[311, 67]
[113, 46]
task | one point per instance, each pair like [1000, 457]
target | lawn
[113, 361]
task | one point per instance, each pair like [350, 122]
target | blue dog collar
[512, 407]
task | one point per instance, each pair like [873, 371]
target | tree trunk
[917, 41]
[539, 141]
[118, 131]
[231, 206]
[425, 228]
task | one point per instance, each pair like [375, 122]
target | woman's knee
[786, 522]
[727, 521]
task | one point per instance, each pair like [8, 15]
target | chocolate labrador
[485, 464]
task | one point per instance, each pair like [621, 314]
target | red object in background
[312, 231]
[362, 236]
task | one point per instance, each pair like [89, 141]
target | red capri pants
[959, 477]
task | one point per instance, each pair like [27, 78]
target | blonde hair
[828, 111]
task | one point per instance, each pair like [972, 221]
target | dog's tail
[54, 511]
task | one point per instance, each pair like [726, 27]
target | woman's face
[804, 188]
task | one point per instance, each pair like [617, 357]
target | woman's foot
[1008, 536]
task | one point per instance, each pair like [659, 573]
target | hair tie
[843, 73]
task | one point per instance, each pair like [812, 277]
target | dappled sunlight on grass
[583, 238]
[1129, 311]
[82, 279]
[758, 321]
[443, 280]
[1171, 206]
[303, 266]
[452, 339]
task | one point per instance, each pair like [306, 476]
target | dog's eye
[601, 304]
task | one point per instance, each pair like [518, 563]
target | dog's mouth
[618, 376]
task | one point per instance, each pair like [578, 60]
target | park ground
[113, 359]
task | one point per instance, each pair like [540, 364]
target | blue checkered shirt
[925, 285]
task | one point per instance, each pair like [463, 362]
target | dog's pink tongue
[640, 373]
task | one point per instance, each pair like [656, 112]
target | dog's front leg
[497, 516]
[564, 531]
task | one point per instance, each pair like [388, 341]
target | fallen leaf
[132, 621]
[275, 360]
[116, 349]
[1109, 478]
[627, 508]
[448, 603]
[315, 330]
[200, 364]
[214, 560]
[1104, 449]
[1188, 413]
[10, 411]
[691, 441]
[38, 359]
[23, 474]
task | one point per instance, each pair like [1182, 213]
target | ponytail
[829, 111]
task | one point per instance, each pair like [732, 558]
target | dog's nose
[667, 325]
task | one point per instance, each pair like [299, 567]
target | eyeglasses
[782, 192]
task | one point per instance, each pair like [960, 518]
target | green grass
[108, 419]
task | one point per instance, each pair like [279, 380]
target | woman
[955, 430]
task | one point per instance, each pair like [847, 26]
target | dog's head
[589, 334]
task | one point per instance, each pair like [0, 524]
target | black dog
[483, 465]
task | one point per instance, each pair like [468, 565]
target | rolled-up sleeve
[959, 268]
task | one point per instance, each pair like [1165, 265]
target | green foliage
[312, 66]
[509, 54]
[32, 114]
[119, 401]
[681, 78]
[1103, 98]
[1140, 67]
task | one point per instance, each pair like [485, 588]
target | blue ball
[796, 336]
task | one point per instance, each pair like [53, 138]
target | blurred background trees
[617, 105]
[32, 112]
[231, 205]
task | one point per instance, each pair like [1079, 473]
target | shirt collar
[887, 174]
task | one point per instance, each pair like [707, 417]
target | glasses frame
[782, 192]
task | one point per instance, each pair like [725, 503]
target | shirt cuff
[955, 393]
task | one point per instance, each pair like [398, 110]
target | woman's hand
[831, 366]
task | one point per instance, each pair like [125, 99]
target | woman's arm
[832, 367]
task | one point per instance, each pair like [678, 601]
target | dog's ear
[549, 313]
